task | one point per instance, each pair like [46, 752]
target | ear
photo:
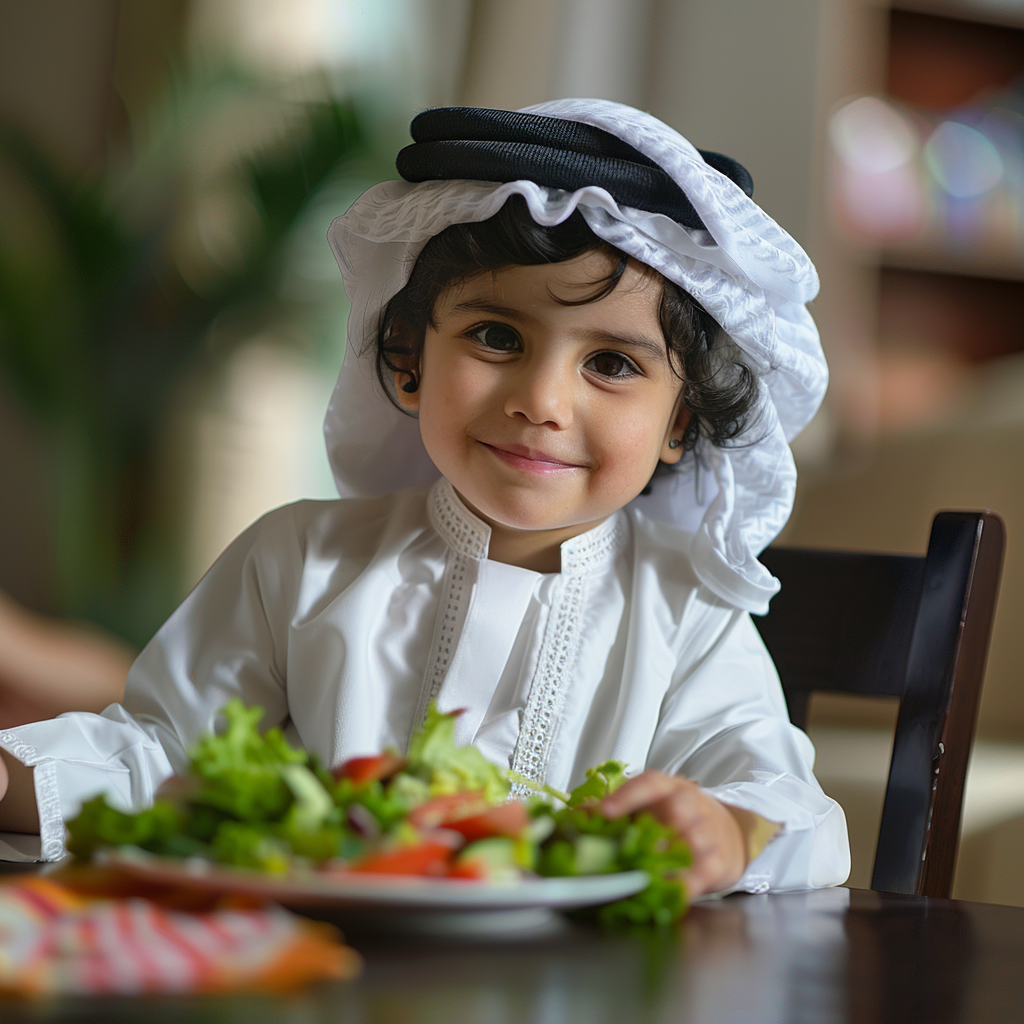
[405, 354]
[672, 447]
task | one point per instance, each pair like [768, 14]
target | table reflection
[829, 955]
[763, 958]
[914, 958]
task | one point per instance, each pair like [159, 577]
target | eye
[613, 364]
[498, 337]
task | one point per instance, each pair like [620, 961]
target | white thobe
[344, 619]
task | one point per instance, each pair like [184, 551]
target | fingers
[677, 802]
[640, 793]
[714, 837]
[711, 872]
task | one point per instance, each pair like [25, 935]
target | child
[557, 484]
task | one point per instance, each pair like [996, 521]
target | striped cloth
[54, 940]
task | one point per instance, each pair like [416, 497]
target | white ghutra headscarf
[748, 273]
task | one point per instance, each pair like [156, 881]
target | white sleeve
[229, 638]
[724, 724]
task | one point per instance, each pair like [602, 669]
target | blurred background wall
[169, 167]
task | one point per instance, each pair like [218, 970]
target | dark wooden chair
[916, 628]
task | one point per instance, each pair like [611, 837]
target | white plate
[380, 893]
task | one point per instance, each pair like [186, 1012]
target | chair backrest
[916, 628]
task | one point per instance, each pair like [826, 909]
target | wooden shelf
[939, 63]
[972, 318]
[982, 261]
[929, 257]
[987, 12]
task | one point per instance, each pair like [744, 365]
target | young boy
[594, 467]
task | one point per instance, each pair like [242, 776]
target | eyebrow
[485, 306]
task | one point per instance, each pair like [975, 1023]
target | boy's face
[543, 416]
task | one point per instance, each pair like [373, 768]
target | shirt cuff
[44, 777]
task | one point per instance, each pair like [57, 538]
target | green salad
[253, 801]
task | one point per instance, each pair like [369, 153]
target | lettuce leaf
[99, 825]
[242, 772]
[599, 782]
[447, 768]
[628, 844]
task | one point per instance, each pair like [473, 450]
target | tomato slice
[442, 810]
[472, 869]
[429, 857]
[374, 768]
[507, 820]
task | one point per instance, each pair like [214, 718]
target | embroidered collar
[468, 535]
[463, 532]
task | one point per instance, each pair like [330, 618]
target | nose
[542, 393]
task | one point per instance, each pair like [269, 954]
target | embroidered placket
[467, 539]
[550, 685]
[552, 681]
[501, 598]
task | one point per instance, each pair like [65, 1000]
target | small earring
[411, 385]
[674, 443]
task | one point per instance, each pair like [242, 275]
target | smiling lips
[530, 460]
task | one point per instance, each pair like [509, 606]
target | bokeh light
[963, 160]
[904, 177]
[878, 188]
[872, 137]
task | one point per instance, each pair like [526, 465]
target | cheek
[635, 444]
[452, 394]
[446, 386]
[439, 415]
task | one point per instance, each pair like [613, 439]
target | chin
[523, 515]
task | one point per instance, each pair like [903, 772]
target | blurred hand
[48, 667]
[712, 829]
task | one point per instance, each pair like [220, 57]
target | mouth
[531, 460]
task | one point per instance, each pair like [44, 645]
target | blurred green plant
[113, 290]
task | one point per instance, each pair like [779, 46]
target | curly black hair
[719, 390]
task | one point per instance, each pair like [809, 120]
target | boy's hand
[715, 832]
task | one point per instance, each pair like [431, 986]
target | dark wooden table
[831, 955]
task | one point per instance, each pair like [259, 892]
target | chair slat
[964, 700]
[923, 748]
